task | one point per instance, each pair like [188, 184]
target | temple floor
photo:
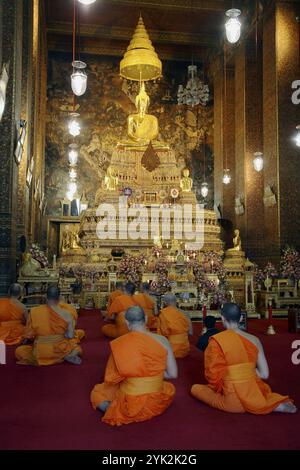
[49, 408]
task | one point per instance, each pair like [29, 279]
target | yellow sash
[241, 373]
[142, 385]
[178, 339]
[49, 339]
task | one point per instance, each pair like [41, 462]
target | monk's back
[139, 355]
[46, 322]
[232, 356]
[9, 310]
[174, 320]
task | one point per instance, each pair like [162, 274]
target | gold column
[240, 136]
[280, 69]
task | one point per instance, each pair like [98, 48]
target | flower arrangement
[131, 267]
[38, 254]
[213, 264]
[290, 263]
[270, 270]
[156, 251]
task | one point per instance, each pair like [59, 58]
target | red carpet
[49, 408]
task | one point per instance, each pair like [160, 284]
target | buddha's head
[142, 101]
[26, 257]
[236, 232]
[186, 172]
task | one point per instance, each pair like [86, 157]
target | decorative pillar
[280, 117]
[12, 54]
[224, 135]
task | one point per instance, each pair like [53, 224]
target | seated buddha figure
[186, 183]
[142, 128]
[111, 180]
[237, 243]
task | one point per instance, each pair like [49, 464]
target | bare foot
[73, 359]
[286, 407]
[104, 405]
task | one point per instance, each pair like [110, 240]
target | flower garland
[131, 267]
[38, 254]
[290, 263]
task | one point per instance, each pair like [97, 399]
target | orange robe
[230, 369]
[112, 296]
[118, 308]
[79, 333]
[175, 326]
[12, 322]
[148, 304]
[50, 346]
[133, 380]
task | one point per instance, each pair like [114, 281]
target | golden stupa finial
[140, 61]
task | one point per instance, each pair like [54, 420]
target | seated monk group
[50, 329]
[134, 388]
[235, 365]
[171, 322]
[123, 298]
[13, 316]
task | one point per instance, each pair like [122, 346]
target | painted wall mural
[103, 113]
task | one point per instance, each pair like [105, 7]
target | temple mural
[103, 113]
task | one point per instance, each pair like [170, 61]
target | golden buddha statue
[237, 243]
[142, 127]
[186, 183]
[111, 180]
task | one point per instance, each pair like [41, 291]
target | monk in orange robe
[148, 304]
[13, 316]
[116, 313]
[235, 365]
[176, 326]
[51, 329]
[113, 295]
[79, 334]
[134, 388]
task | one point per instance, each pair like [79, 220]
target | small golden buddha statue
[237, 243]
[66, 241]
[186, 183]
[111, 180]
[75, 241]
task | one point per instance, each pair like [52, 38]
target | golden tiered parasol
[140, 61]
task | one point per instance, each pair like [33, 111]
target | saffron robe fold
[133, 380]
[12, 321]
[174, 325]
[234, 386]
[50, 346]
[148, 305]
[118, 308]
[79, 333]
[112, 296]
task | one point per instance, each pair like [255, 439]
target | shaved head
[15, 290]
[53, 293]
[231, 313]
[135, 315]
[130, 288]
[145, 287]
[119, 285]
[169, 299]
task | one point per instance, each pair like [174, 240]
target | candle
[270, 313]
[54, 261]
[203, 312]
